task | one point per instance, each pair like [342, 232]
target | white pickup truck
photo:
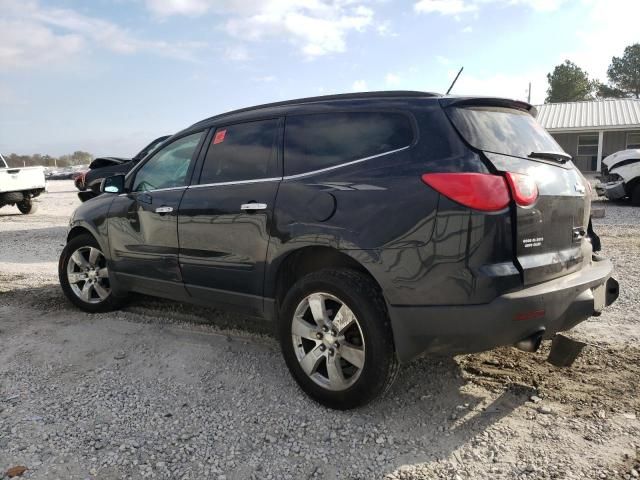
[19, 186]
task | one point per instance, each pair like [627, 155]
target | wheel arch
[78, 230]
[302, 261]
[82, 228]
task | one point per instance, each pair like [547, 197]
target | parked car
[372, 228]
[621, 176]
[19, 186]
[88, 182]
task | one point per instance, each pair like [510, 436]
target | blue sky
[107, 76]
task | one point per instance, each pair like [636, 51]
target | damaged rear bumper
[549, 307]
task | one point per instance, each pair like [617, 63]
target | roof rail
[324, 98]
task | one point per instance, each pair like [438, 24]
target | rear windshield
[502, 130]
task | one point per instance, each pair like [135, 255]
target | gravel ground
[164, 390]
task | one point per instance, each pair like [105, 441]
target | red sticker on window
[219, 137]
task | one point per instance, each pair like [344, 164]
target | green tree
[624, 74]
[569, 83]
[606, 91]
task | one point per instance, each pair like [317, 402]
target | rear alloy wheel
[27, 206]
[84, 275]
[336, 338]
[328, 341]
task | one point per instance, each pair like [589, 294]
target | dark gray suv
[372, 228]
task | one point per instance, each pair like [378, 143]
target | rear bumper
[553, 306]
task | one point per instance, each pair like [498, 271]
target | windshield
[502, 130]
[3, 164]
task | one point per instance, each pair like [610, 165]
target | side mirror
[114, 184]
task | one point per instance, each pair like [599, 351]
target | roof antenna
[454, 80]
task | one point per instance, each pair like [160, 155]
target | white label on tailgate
[532, 242]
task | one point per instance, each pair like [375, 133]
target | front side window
[317, 141]
[245, 151]
[168, 167]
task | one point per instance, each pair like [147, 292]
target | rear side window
[245, 151]
[317, 141]
[502, 130]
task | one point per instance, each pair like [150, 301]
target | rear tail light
[523, 188]
[480, 191]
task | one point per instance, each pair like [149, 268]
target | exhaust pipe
[531, 343]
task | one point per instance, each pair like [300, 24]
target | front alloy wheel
[328, 341]
[84, 275]
[88, 275]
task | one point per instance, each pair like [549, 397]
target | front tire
[27, 206]
[84, 276]
[336, 338]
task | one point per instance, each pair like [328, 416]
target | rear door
[549, 233]
[226, 215]
[143, 223]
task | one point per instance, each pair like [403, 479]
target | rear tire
[336, 338]
[84, 276]
[27, 206]
[635, 195]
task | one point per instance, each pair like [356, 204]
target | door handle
[164, 210]
[253, 206]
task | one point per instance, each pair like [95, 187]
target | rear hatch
[549, 231]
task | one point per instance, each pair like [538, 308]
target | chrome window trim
[237, 182]
[138, 192]
[300, 175]
[346, 164]
[277, 179]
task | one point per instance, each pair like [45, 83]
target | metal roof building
[589, 131]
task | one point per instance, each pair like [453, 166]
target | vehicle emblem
[579, 187]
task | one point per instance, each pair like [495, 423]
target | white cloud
[23, 44]
[359, 86]
[539, 5]
[501, 85]
[443, 60]
[266, 79]
[237, 53]
[392, 79]
[384, 30]
[31, 34]
[457, 7]
[467, 29]
[444, 7]
[315, 27]
[178, 7]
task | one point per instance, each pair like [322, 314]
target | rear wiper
[554, 156]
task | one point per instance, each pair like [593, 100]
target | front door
[142, 224]
[225, 217]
